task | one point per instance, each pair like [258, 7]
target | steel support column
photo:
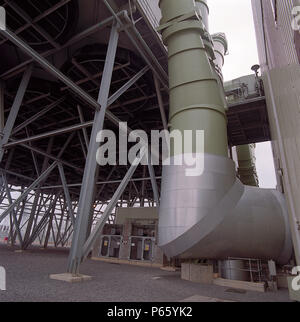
[49, 228]
[1, 107]
[67, 194]
[15, 109]
[84, 131]
[160, 103]
[42, 223]
[14, 214]
[153, 181]
[88, 183]
[37, 197]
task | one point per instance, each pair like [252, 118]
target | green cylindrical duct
[191, 76]
[204, 11]
[220, 49]
[246, 160]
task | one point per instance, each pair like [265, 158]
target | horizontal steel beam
[82, 125]
[74, 185]
[56, 73]
[49, 67]
[138, 42]
[39, 17]
[49, 134]
[38, 115]
[88, 32]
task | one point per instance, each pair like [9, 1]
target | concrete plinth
[170, 268]
[70, 278]
[240, 285]
[197, 273]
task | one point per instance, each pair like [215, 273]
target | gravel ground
[28, 281]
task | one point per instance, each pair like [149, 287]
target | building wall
[126, 217]
[281, 75]
[147, 213]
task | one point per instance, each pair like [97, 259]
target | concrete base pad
[200, 298]
[170, 269]
[241, 285]
[197, 273]
[127, 262]
[70, 278]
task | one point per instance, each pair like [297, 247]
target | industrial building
[72, 68]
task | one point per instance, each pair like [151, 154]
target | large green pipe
[204, 10]
[197, 81]
[246, 160]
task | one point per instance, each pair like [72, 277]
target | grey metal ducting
[212, 216]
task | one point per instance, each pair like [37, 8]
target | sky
[234, 18]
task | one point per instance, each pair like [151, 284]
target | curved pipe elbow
[214, 216]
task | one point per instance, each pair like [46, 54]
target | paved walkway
[28, 280]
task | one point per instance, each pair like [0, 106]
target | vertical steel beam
[42, 223]
[88, 183]
[160, 103]
[21, 212]
[1, 106]
[46, 241]
[84, 131]
[59, 227]
[15, 220]
[38, 209]
[92, 209]
[153, 181]
[37, 196]
[67, 193]
[142, 199]
[15, 109]
[33, 156]
[82, 145]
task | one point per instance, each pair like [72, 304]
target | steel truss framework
[59, 88]
[52, 191]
